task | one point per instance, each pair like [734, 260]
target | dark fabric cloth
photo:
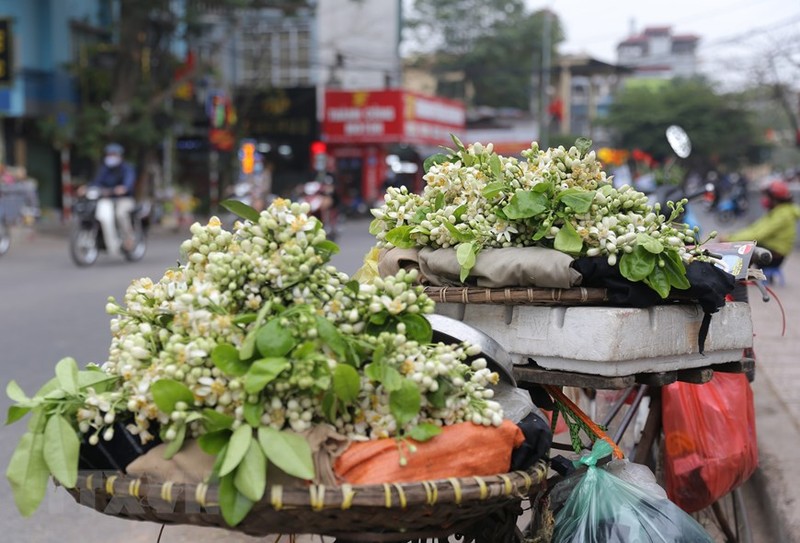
[538, 439]
[709, 284]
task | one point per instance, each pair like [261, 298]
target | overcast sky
[729, 29]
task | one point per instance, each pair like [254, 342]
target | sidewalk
[777, 397]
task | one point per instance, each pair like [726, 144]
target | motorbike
[86, 236]
[734, 204]
[321, 199]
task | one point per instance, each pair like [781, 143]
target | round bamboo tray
[382, 512]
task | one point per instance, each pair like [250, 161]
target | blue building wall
[42, 49]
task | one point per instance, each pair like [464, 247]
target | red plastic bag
[710, 439]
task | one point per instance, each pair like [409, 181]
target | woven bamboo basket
[518, 295]
[383, 512]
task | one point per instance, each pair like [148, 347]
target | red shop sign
[388, 116]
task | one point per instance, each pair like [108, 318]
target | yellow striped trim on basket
[317, 495]
[276, 497]
[431, 492]
[200, 494]
[456, 489]
[508, 485]
[166, 491]
[482, 485]
[89, 480]
[528, 479]
[133, 488]
[401, 494]
[387, 493]
[347, 496]
[110, 485]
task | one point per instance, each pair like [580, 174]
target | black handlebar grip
[761, 257]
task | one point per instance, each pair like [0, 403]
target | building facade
[658, 53]
[46, 36]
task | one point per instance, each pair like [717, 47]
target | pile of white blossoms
[558, 198]
[263, 331]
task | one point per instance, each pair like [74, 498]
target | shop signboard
[390, 116]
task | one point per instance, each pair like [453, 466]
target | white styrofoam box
[611, 341]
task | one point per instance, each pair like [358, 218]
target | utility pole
[544, 80]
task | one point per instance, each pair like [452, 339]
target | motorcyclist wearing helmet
[116, 178]
[777, 229]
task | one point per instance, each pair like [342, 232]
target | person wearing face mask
[116, 178]
[777, 230]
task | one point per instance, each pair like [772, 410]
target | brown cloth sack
[461, 450]
[192, 465]
[494, 268]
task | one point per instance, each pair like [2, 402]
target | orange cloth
[461, 450]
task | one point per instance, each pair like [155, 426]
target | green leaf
[251, 475]
[175, 445]
[568, 240]
[459, 211]
[438, 399]
[424, 431]
[658, 281]
[389, 377]
[405, 402]
[400, 236]
[421, 214]
[214, 420]
[245, 318]
[457, 234]
[15, 392]
[525, 204]
[466, 257]
[346, 383]
[61, 445]
[459, 145]
[579, 200]
[495, 166]
[290, 452]
[273, 340]
[493, 189]
[675, 270]
[332, 337]
[438, 202]
[253, 412]
[241, 209]
[15, 413]
[67, 374]
[97, 379]
[353, 286]
[637, 265]
[263, 372]
[327, 248]
[167, 392]
[249, 343]
[330, 405]
[438, 158]
[212, 443]
[237, 448]
[227, 358]
[233, 504]
[649, 242]
[583, 145]
[418, 328]
[27, 473]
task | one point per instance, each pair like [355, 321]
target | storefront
[380, 138]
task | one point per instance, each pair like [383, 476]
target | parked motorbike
[321, 199]
[86, 236]
[734, 204]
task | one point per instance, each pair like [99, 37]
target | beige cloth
[494, 268]
[192, 465]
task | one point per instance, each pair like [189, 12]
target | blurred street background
[333, 101]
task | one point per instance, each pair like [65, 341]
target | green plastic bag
[603, 508]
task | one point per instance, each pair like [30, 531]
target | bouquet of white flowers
[557, 198]
[254, 339]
